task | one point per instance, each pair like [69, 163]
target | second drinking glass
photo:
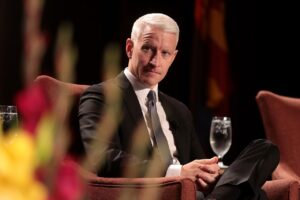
[220, 137]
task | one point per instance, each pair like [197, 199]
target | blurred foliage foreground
[34, 163]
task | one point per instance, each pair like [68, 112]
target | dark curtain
[259, 41]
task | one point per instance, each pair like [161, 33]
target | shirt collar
[140, 89]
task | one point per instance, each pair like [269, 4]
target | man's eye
[165, 54]
[146, 49]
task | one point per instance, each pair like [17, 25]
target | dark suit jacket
[117, 153]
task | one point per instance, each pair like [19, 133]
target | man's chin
[150, 83]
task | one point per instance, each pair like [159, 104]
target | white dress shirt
[141, 90]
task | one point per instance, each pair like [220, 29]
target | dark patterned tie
[159, 139]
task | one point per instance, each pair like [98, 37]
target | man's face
[151, 55]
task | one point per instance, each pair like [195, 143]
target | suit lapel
[132, 107]
[133, 110]
[129, 98]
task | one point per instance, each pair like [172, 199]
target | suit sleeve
[108, 156]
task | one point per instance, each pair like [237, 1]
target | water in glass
[8, 118]
[220, 137]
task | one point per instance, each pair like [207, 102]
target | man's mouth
[152, 71]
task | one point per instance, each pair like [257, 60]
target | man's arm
[103, 147]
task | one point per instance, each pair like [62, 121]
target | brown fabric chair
[165, 188]
[100, 188]
[282, 189]
[280, 116]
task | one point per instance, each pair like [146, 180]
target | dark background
[262, 52]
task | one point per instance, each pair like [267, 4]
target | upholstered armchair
[177, 188]
[100, 188]
[281, 120]
[163, 188]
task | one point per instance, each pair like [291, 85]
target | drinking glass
[220, 137]
[8, 118]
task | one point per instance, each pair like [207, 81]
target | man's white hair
[159, 20]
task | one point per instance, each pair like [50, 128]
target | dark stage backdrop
[255, 47]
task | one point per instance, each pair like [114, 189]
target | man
[169, 141]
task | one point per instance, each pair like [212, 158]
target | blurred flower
[68, 185]
[33, 165]
[32, 105]
[17, 168]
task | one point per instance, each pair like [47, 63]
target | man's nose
[155, 59]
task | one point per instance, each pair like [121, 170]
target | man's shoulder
[94, 88]
[99, 87]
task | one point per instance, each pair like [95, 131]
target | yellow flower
[17, 165]
[20, 154]
[10, 193]
[5, 162]
[36, 191]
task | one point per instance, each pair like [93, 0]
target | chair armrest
[283, 171]
[160, 188]
[163, 188]
[282, 189]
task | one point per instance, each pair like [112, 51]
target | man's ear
[129, 47]
[174, 55]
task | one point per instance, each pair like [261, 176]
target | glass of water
[220, 137]
[8, 118]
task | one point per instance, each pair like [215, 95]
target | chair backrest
[281, 120]
[52, 86]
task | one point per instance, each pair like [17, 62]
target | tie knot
[151, 96]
